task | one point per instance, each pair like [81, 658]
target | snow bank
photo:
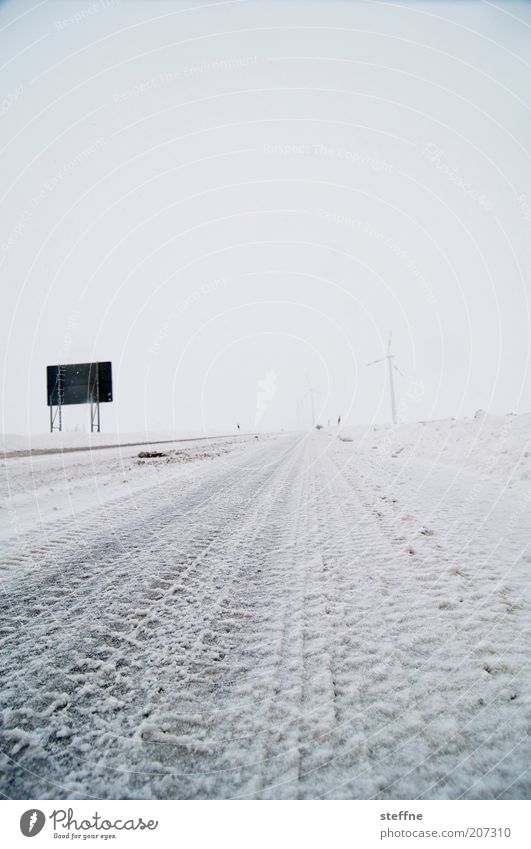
[487, 447]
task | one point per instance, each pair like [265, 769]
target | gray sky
[234, 200]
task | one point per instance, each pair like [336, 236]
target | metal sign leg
[95, 417]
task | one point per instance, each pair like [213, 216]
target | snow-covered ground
[298, 616]
[15, 443]
[41, 487]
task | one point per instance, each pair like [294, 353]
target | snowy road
[289, 619]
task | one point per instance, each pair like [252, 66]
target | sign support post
[78, 383]
[57, 414]
[95, 405]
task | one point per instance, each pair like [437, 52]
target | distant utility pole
[311, 392]
[390, 366]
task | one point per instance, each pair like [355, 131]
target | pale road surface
[291, 619]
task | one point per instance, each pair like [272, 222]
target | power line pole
[311, 392]
[391, 386]
[313, 407]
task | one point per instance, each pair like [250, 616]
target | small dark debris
[149, 454]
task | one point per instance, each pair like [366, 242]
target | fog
[236, 202]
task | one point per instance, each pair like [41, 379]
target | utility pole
[312, 406]
[390, 366]
[391, 386]
[311, 392]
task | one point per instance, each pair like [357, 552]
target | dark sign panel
[81, 383]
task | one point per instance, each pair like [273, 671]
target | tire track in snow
[233, 723]
[394, 711]
[278, 759]
[446, 683]
[98, 659]
[261, 633]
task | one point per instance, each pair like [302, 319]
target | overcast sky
[233, 201]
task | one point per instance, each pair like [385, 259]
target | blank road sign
[79, 383]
